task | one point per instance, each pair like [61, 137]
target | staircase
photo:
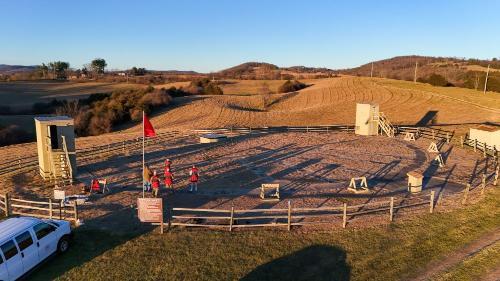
[61, 168]
[385, 125]
[62, 174]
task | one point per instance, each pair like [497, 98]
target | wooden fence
[288, 217]
[428, 133]
[49, 209]
[487, 150]
[277, 129]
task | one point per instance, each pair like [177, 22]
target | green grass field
[391, 252]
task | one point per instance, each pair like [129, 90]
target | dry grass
[333, 101]
[491, 99]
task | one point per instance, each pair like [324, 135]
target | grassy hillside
[467, 73]
[389, 252]
[333, 101]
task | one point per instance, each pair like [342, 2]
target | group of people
[152, 180]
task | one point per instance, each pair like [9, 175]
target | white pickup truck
[27, 241]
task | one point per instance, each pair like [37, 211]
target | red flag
[149, 131]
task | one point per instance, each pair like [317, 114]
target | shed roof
[53, 118]
[488, 128]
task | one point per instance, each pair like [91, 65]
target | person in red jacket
[194, 175]
[167, 164]
[169, 179]
[155, 184]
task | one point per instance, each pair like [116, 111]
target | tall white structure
[55, 139]
[366, 119]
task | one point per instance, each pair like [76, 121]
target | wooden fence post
[123, 148]
[495, 181]
[169, 217]
[344, 219]
[484, 150]
[447, 137]
[466, 193]
[391, 210]
[50, 208]
[289, 215]
[75, 210]
[475, 145]
[231, 219]
[60, 209]
[7, 205]
[431, 202]
[433, 134]
[462, 141]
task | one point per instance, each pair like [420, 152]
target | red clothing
[169, 178]
[167, 164]
[155, 182]
[95, 185]
[194, 175]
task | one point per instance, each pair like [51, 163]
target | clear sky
[211, 35]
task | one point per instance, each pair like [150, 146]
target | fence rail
[488, 150]
[49, 209]
[280, 217]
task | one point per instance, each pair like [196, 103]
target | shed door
[53, 137]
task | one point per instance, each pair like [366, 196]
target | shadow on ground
[318, 262]
[90, 242]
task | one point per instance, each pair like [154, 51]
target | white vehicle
[27, 241]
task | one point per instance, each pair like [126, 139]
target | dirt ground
[313, 169]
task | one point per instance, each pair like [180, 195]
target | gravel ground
[313, 169]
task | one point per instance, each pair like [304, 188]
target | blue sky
[212, 35]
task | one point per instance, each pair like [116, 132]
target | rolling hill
[332, 101]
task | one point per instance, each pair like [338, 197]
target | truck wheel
[63, 244]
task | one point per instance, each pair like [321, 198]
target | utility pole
[415, 77]
[486, 80]
[371, 73]
[476, 84]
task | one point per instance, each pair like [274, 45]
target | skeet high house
[55, 137]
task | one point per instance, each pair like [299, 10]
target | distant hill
[460, 72]
[262, 70]
[10, 69]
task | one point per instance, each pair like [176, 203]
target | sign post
[151, 210]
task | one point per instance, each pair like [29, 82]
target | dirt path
[458, 256]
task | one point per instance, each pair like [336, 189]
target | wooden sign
[59, 194]
[150, 209]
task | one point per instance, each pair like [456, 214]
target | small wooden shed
[486, 134]
[55, 138]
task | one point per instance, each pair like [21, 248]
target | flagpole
[143, 186]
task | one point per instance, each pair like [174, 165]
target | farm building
[486, 134]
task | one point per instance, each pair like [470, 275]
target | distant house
[487, 134]
[122, 74]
